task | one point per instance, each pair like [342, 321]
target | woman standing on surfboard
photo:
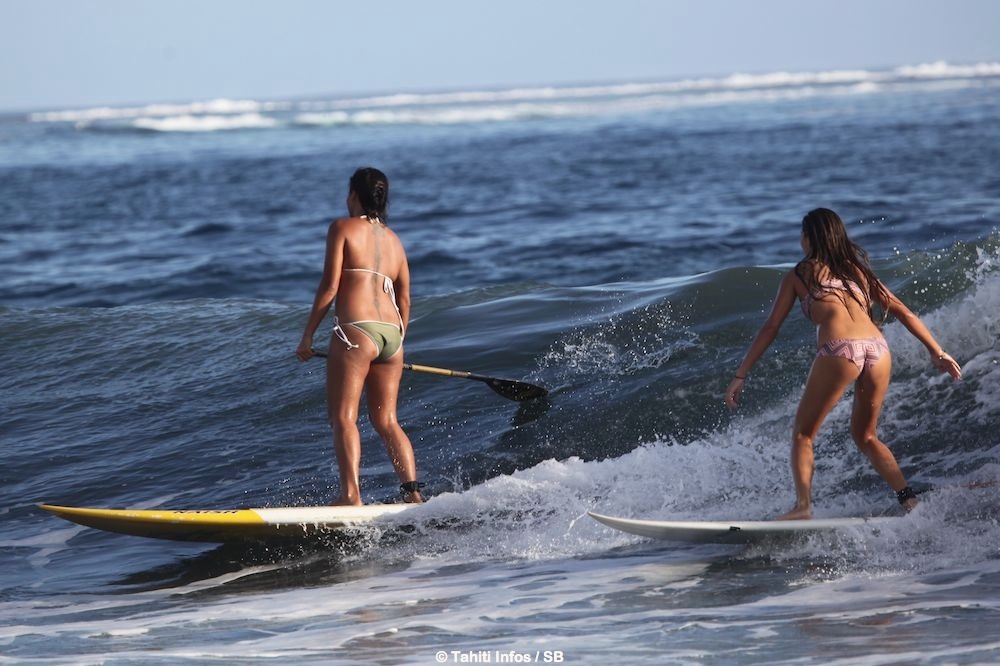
[365, 271]
[837, 288]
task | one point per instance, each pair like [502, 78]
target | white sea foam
[42, 546]
[941, 69]
[492, 113]
[520, 103]
[206, 123]
[215, 106]
[525, 567]
[444, 115]
[733, 81]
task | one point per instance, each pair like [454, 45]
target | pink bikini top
[826, 288]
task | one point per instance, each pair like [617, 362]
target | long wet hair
[847, 261]
[372, 188]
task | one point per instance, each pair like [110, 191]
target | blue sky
[73, 53]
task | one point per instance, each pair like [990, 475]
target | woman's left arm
[941, 360]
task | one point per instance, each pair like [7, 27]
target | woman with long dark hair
[838, 290]
[366, 273]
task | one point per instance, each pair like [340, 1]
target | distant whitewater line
[209, 123]
[565, 109]
[216, 106]
[469, 114]
[511, 104]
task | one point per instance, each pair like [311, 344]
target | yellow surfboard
[226, 525]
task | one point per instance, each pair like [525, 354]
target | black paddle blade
[514, 390]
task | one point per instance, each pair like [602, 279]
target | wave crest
[515, 104]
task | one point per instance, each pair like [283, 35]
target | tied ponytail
[372, 189]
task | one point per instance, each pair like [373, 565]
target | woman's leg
[346, 370]
[383, 391]
[828, 379]
[869, 394]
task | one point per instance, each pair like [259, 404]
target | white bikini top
[386, 280]
[386, 287]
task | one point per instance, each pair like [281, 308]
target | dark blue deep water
[617, 244]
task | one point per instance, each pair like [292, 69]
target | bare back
[368, 253]
[835, 312]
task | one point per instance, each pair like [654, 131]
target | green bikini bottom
[386, 337]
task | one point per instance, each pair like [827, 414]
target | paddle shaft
[508, 388]
[444, 372]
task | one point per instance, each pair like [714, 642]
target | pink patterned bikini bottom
[864, 352]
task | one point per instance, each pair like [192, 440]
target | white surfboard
[227, 525]
[736, 531]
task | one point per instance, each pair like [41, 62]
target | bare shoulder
[346, 224]
[793, 281]
[792, 287]
[347, 228]
[392, 237]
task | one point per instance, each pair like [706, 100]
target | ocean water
[618, 244]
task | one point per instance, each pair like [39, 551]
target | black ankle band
[410, 487]
[905, 494]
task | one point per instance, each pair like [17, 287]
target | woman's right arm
[402, 289]
[326, 291]
[784, 300]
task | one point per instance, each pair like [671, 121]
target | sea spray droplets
[623, 345]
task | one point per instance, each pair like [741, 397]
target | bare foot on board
[798, 513]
